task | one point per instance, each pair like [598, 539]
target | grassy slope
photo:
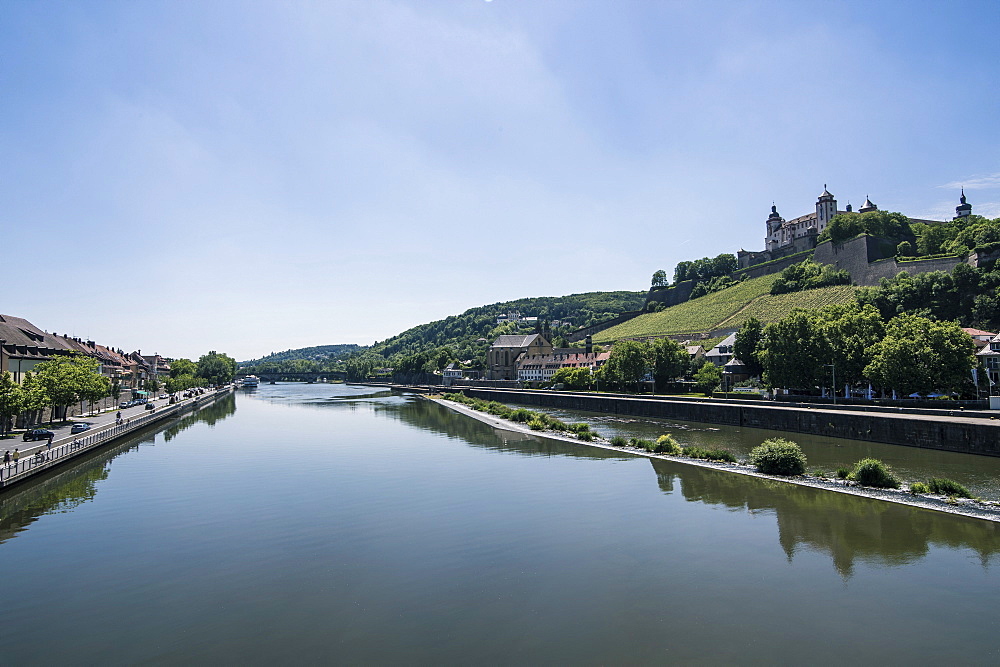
[726, 309]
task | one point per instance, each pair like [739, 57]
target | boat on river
[250, 382]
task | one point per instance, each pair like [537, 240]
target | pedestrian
[118, 417]
[6, 457]
[49, 445]
[17, 455]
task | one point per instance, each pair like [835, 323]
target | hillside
[726, 309]
[468, 335]
[315, 353]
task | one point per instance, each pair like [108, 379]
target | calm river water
[308, 523]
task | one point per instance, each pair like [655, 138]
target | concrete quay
[973, 433]
[37, 457]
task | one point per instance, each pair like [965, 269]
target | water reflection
[75, 483]
[847, 528]
[439, 419]
[217, 411]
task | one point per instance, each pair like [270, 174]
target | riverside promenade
[37, 457]
[946, 430]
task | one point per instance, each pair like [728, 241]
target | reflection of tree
[59, 491]
[431, 416]
[219, 410]
[847, 527]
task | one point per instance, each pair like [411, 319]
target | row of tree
[855, 344]
[65, 380]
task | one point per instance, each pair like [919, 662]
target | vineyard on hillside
[726, 309]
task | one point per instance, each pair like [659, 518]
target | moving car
[80, 427]
[38, 434]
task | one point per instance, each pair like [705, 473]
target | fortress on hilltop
[789, 237]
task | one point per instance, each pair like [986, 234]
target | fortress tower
[962, 210]
[826, 208]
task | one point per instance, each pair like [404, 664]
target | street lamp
[833, 371]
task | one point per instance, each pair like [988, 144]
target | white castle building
[783, 233]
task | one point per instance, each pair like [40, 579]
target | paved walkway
[62, 432]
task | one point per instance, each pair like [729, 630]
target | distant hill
[727, 309]
[316, 353]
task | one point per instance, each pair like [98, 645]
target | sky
[248, 177]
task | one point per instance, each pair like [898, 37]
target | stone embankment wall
[949, 434]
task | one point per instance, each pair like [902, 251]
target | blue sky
[257, 176]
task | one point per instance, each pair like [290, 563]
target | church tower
[826, 208]
[867, 206]
[964, 208]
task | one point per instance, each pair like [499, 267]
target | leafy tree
[809, 275]
[707, 378]
[35, 397]
[11, 400]
[66, 379]
[669, 360]
[217, 368]
[180, 367]
[882, 224]
[795, 352]
[627, 363]
[851, 332]
[921, 355]
[748, 345]
[659, 278]
[573, 378]
[904, 249]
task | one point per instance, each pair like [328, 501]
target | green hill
[726, 309]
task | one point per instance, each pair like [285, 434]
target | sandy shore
[987, 510]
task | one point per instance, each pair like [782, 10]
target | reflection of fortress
[787, 237]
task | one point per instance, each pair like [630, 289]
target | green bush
[919, 487]
[694, 452]
[843, 473]
[521, 415]
[586, 436]
[536, 425]
[777, 456]
[666, 444]
[872, 472]
[579, 427]
[721, 455]
[642, 443]
[619, 441]
[947, 487]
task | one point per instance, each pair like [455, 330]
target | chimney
[590, 345]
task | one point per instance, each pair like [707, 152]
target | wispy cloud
[975, 183]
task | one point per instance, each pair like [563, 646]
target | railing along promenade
[45, 459]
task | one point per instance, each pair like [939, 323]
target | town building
[501, 358]
[541, 367]
[723, 352]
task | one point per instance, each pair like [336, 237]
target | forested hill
[462, 333]
[315, 353]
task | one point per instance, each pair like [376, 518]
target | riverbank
[986, 510]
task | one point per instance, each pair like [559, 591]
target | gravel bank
[986, 510]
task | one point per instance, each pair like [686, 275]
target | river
[305, 523]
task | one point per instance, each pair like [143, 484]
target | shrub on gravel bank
[872, 472]
[778, 456]
[666, 444]
[947, 487]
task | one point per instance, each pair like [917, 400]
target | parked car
[123, 405]
[80, 427]
[38, 434]
[150, 406]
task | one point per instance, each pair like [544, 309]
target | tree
[179, 367]
[67, 379]
[748, 343]
[573, 378]
[669, 360]
[659, 278]
[11, 400]
[795, 352]
[707, 378]
[35, 398]
[627, 363]
[851, 332]
[217, 368]
[921, 355]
